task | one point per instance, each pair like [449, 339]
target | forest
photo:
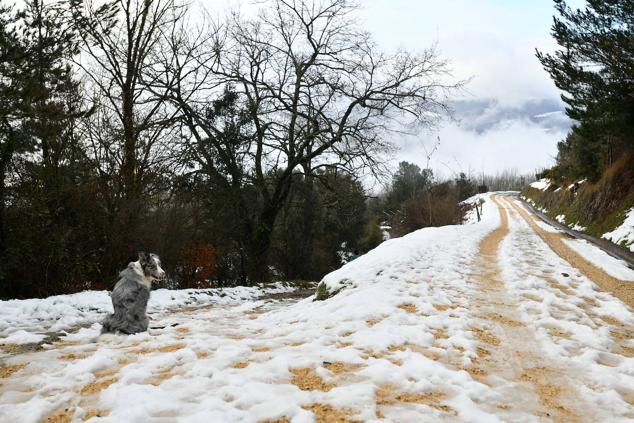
[236, 148]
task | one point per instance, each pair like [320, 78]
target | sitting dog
[131, 294]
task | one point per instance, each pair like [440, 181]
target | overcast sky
[510, 115]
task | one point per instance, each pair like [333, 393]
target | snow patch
[542, 184]
[624, 234]
[611, 265]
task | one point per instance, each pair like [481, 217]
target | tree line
[232, 147]
[594, 66]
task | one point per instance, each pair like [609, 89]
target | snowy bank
[624, 234]
[28, 321]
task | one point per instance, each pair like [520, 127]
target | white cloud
[516, 144]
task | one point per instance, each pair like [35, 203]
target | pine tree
[595, 68]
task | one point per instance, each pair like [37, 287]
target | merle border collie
[131, 294]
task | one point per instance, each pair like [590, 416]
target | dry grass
[307, 380]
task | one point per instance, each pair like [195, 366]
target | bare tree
[297, 88]
[121, 39]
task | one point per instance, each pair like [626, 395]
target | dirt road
[524, 329]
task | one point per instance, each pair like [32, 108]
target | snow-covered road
[499, 320]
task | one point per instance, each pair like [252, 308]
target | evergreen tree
[595, 68]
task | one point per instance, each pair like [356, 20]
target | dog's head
[151, 265]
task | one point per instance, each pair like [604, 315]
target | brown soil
[340, 368]
[559, 333]
[325, 413]
[161, 377]
[102, 381]
[167, 348]
[441, 307]
[374, 321]
[260, 349]
[388, 395]
[72, 356]
[98, 412]
[440, 334]
[621, 289]
[549, 393]
[6, 371]
[240, 365]
[486, 336]
[307, 380]
[490, 244]
[64, 415]
[410, 308]
[497, 317]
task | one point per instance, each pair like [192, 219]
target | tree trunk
[308, 226]
[259, 246]
[128, 171]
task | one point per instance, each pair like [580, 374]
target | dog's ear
[143, 257]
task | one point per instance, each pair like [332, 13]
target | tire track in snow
[621, 289]
[578, 322]
[510, 357]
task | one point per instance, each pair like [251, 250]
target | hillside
[604, 209]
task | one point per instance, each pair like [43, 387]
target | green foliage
[372, 236]
[595, 69]
[322, 213]
[599, 206]
[321, 293]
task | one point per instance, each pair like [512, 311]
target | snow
[403, 316]
[611, 265]
[23, 337]
[542, 184]
[624, 233]
[555, 296]
[63, 312]
[576, 184]
[561, 218]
